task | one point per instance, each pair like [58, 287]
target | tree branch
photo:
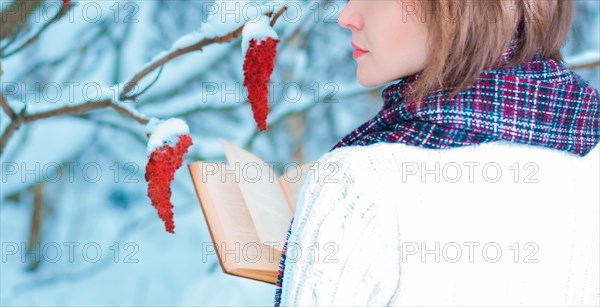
[17, 120]
[63, 11]
[15, 15]
[22, 118]
[7, 108]
[585, 66]
[179, 52]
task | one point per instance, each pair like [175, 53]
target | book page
[232, 230]
[291, 182]
[263, 195]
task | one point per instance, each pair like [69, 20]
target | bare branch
[129, 113]
[7, 108]
[68, 110]
[8, 132]
[23, 118]
[585, 66]
[15, 14]
[36, 222]
[12, 127]
[4, 103]
[274, 20]
[63, 11]
[149, 85]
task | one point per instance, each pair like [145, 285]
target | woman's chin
[366, 81]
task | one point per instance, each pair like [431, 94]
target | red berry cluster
[160, 171]
[258, 66]
[66, 2]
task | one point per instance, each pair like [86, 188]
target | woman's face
[393, 35]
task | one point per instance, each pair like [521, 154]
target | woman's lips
[357, 51]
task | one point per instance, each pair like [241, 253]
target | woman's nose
[349, 18]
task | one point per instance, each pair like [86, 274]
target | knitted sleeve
[330, 257]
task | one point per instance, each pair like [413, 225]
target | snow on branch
[189, 43]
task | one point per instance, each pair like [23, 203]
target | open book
[248, 210]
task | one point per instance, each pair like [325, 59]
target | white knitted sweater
[510, 224]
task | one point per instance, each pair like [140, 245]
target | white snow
[151, 125]
[165, 133]
[188, 40]
[112, 92]
[258, 29]
[216, 25]
[130, 108]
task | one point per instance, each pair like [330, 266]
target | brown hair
[467, 37]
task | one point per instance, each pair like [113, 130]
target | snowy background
[99, 240]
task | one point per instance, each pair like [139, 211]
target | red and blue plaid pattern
[540, 103]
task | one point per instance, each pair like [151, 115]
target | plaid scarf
[540, 103]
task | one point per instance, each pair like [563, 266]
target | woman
[475, 84]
